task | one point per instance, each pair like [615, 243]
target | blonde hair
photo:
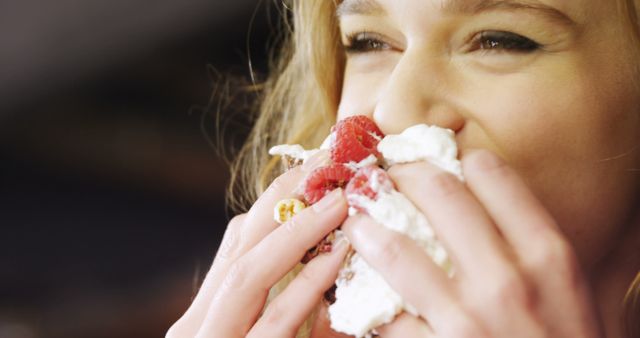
[298, 104]
[299, 100]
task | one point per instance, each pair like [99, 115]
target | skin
[543, 233]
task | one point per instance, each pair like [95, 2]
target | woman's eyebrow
[359, 7]
[373, 7]
[535, 7]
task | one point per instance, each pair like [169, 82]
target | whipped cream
[328, 141]
[364, 300]
[294, 151]
[367, 161]
[422, 143]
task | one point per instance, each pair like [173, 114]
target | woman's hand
[255, 253]
[516, 275]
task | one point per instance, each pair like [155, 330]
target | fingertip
[413, 175]
[365, 234]
[402, 170]
[481, 160]
[317, 160]
[405, 325]
[355, 224]
[330, 200]
[397, 170]
[341, 244]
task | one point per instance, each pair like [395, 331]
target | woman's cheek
[556, 131]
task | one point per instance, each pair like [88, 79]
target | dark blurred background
[111, 194]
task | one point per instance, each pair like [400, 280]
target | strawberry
[324, 179]
[356, 138]
[368, 181]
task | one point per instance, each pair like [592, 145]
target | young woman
[544, 99]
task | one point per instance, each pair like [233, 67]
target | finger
[405, 325]
[456, 216]
[229, 240]
[242, 234]
[260, 222]
[407, 269]
[288, 311]
[189, 324]
[520, 216]
[533, 234]
[242, 293]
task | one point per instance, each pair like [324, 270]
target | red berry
[368, 181]
[364, 122]
[324, 179]
[356, 138]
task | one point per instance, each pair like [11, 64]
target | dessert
[360, 151]
[324, 179]
[356, 138]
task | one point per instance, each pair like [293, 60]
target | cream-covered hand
[255, 253]
[516, 274]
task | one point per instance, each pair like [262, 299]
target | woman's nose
[418, 91]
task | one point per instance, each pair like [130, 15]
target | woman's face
[546, 84]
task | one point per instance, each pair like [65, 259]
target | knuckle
[292, 226]
[275, 318]
[543, 256]
[236, 222]
[555, 253]
[230, 240]
[307, 275]
[279, 185]
[274, 315]
[237, 276]
[390, 250]
[443, 184]
[312, 276]
[509, 291]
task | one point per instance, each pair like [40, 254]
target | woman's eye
[500, 41]
[363, 42]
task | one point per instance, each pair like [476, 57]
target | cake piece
[363, 300]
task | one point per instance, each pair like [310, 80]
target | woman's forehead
[576, 11]
[576, 7]
[469, 7]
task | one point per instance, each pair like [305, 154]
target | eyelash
[504, 41]
[488, 41]
[363, 42]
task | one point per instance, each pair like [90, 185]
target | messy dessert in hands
[360, 155]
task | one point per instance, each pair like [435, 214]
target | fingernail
[328, 200]
[315, 161]
[339, 242]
